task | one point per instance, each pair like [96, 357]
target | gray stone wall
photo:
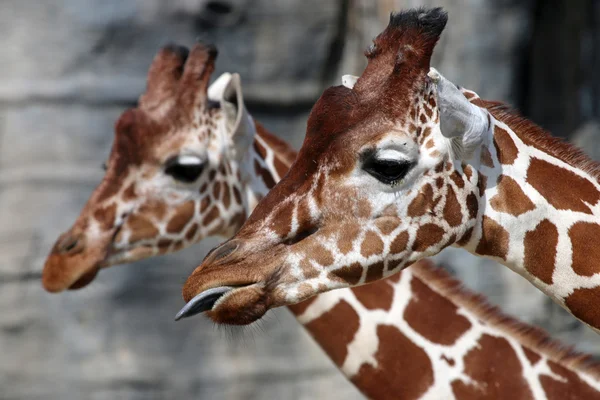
[70, 67]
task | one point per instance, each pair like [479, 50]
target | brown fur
[510, 198]
[533, 135]
[540, 251]
[532, 337]
[586, 252]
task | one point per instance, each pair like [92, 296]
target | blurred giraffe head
[173, 173]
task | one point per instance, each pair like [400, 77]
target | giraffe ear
[349, 81]
[227, 90]
[458, 116]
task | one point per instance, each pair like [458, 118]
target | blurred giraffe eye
[387, 171]
[185, 169]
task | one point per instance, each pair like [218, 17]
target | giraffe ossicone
[400, 166]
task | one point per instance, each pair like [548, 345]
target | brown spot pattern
[472, 205]
[183, 214]
[371, 244]
[458, 180]
[486, 157]
[422, 203]
[531, 356]
[468, 171]
[129, 193]
[191, 232]
[427, 236]
[320, 254]
[375, 272]
[510, 198]
[237, 195]
[386, 224]
[377, 295]
[562, 188]
[583, 304]
[211, 215]
[350, 273]
[226, 196]
[106, 216]
[466, 238]
[574, 387]
[140, 228]
[348, 233]
[540, 251]
[404, 383]
[496, 370]
[452, 211]
[494, 239]
[399, 243]
[482, 184]
[264, 174]
[217, 190]
[260, 150]
[506, 150]
[157, 209]
[586, 251]
[300, 308]
[446, 327]
[346, 321]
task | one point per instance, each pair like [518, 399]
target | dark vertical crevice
[594, 67]
[336, 47]
[523, 65]
[554, 73]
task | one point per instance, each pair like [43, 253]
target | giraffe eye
[387, 171]
[185, 169]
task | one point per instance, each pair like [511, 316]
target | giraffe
[177, 171]
[449, 365]
[395, 167]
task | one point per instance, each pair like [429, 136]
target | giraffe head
[377, 185]
[173, 173]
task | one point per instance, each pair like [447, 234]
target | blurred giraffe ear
[227, 90]
[458, 117]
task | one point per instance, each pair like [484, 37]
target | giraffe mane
[534, 135]
[535, 338]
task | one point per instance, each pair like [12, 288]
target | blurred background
[68, 68]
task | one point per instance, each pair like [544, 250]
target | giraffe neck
[415, 335]
[540, 212]
[418, 335]
[264, 165]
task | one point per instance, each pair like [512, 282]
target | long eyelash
[104, 166]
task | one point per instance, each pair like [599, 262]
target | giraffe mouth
[204, 301]
[207, 300]
[85, 279]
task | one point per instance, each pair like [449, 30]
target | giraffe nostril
[222, 251]
[70, 244]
